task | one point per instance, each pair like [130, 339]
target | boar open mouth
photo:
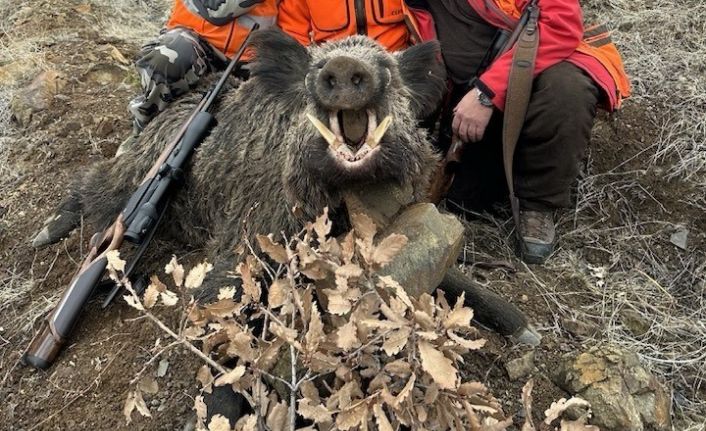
[352, 135]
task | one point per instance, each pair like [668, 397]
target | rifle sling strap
[518, 96]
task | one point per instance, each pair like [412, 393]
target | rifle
[503, 41]
[136, 223]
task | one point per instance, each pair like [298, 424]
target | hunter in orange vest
[198, 38]
[577, 69]
[389, 22]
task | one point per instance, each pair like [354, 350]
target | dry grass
[664, 44]
[131, 20]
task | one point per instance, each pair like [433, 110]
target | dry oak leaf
[316, 412]
[558, 407]
[201, 410]
[169, 298]
[405, 392]
[439, 367]
[287, 334]
[151, 295]
[197, 275]
[347, 337]
[114, 261]
[278, 294]
[232, 376]
[381, 417]
[219, 423]
[346, 272]
[277, 417]
[204, 376]
[431, 394]
[469, 389]
[227, 292]
[246, 423]
[352, 416]
[276, 251]
[240, 346]
[465, 343]
[363, 226]
[527, 403]
[251, 288]
[129, 407]
[389, 282]
[270, 355]
[400, 368]
[322, 226]
[337, 304]
[388, 249]
[176, 270]
[309, 390]
[348, 247]
[396, 341]
[315, 334]
[133, 302]
[221, 308]
[459, 317]
[135, 401]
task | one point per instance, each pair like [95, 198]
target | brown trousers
[551, 146]
[556, 131]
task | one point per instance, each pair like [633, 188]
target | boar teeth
[327, 134]
[375, 138]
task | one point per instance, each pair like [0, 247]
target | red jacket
[562, 37]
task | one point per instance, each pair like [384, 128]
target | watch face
[484, 99]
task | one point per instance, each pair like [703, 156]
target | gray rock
[162, 368]
[36, 97]
[579, 328]
[520, 367]
[680, 238]
[434, 240]
[624, 396]
[105, 74]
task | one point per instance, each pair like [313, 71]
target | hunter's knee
[178, 59]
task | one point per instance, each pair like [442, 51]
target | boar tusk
[379, 132]
[327, 134]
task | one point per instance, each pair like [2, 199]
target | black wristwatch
[483, 98]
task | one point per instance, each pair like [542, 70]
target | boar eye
[320, 64]
[388, 76]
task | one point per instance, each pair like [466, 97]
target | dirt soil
[624, 197]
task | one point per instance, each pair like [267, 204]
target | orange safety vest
[317, 21]
[227, 37]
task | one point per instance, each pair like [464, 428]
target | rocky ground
[621, 305]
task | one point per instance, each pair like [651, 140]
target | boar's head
[359, 110]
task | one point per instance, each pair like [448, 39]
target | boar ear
[280, 61]
[424, 74]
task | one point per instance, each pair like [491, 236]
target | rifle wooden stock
[47, 343]
[441, 182]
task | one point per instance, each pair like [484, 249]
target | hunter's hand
[471, 118]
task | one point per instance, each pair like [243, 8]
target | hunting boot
[537, 236]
